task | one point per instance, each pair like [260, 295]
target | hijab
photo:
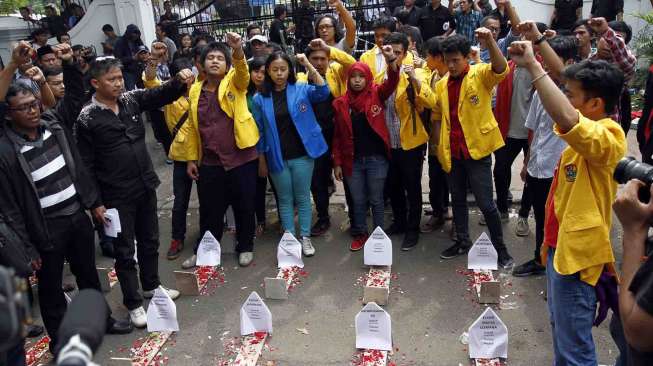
[357, 100]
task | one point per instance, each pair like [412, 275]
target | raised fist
[234, 40]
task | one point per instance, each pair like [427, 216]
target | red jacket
[343, 138]
[504, 100]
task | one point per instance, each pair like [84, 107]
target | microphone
[82, 328]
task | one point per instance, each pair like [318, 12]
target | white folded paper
[482, 254]
[378, 249]
[373, 328]
[289, 252]
[255, 316]
[488, 336]
[208, 252]
[162, 313]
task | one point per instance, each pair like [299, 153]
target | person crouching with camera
[636, 287]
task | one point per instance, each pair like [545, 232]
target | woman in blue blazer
[291, 138]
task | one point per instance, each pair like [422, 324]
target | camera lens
[628, 168]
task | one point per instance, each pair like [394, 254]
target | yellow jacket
[232, 96]
[369, 58]
[481, 130]
[336, 74]
[583, 195]
[173, 113]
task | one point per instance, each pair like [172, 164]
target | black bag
[13, 253]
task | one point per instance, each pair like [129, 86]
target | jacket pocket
[582, 221]
[488, 125]
[181, 137]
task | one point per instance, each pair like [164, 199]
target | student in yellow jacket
[382, 28]
[408, 139]
[578, 216]
[176, 115]
[219, 143]
[469, 134]
[332, 64]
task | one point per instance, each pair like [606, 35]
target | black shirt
[642, 287]
[436, 22]
[277, 29]
[503, 18]
[607, 9]
[566, 13]
[366, 141]
[292, 146]
[413, 15]
[324, 114]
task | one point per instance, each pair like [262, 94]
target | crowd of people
[456, 85]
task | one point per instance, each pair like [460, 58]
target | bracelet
[539, 40]
[538, 78]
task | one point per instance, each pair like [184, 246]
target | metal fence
[216, 17]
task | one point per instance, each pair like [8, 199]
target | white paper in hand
[289, 252]
[482, 254]
[112, 226]
[255, 316]
[162, 313]
[488, 336]
[373, 328]
[208, 252]
[378, 249]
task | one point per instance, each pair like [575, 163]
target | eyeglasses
[25, 108]
[325, 27]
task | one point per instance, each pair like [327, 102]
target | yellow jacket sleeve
[241, 78]
[302, 77]
[599, 142]
[344, 59]
[150, 84]
[426, 97]
[488, 77]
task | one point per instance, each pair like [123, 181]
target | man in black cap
[46, 57]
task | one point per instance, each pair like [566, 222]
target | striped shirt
[54, 185]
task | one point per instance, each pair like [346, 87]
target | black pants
[526, 201]
[539, 189]
[217, 189]
[479, 175]
[73, 240]
[261, 188]
[160, 129]
[505, 156]
[322, 180]
[438, 187]
[405, 176]
[182, 185]
[138, 220]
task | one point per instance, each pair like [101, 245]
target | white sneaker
[522, 228]
[174, 294]
[190, 262]
[245, 258]
[307, 246]
[138, 317]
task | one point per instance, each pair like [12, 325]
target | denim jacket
[300, 97]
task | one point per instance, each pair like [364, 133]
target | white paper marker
[162, 313]
[488, 336]
[112, 226]
[208, 252]
[373, 328]
[378, 249]
[255, 316]
[289, 252]
[482, 254]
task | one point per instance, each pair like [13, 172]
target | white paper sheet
[488, 336]
[482, 254]
[373, 328]
[289, 252]
[162, 313]
[378, 249]
[112, 226]
[255, 316]
[209, 251]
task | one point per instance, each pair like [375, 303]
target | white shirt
[546, 147]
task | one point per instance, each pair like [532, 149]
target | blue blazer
[300, 96]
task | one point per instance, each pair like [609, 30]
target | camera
[628, 168]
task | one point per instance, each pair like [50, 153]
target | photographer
[636, 287]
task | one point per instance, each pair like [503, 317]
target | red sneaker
[358, 243]
[176, 246]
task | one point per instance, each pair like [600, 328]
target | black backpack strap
[180, 123]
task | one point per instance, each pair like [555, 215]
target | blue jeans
[366, 186]
[293, 185]
[572, 307]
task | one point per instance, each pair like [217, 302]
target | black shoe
[320, 227]
[530, 268]
[395, 229]
[454, 251]
[34, 330]
[410, 240]
[106, 245]
[505, 260]
[115, 326]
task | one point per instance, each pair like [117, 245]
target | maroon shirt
[217, 135]
[457, 142]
